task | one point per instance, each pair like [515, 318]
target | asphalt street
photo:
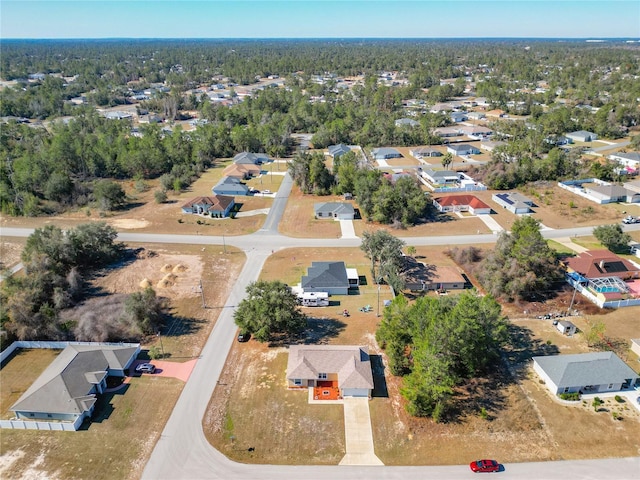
[183, 452]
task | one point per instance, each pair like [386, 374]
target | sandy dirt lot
[10, 251]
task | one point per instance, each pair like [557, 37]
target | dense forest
[52, 165]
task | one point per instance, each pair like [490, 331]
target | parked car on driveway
[146, 368]
[630, 219]
[484, 466]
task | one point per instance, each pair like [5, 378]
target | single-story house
[458, 116]
[474, 131]
[68, 387]
[558, 140]
[611, 193]
[215, 206]
[230, 186]
[248, 157]
[406, 122]
[582, 136]
[476, 115]
[385, 153]
[629, 159]
[566, 327]
[513, 201]
[462, 203]
[346, 368]
[242, 171]
[444, 132]
[337, 150]
[331, 277]
[635, 346]
[460, 149]
[421, 152]
[441, 178]
[421, 277]
[490, 145]
[335, 210]
[585, 372]
[601, 264]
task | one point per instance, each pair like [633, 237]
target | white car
[266, 192]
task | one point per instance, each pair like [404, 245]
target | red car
[484, 466]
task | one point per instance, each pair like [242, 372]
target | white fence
[599, 301]
[39, 425]
[55, 345]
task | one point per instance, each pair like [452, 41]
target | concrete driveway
[358, 434]
[346, 227]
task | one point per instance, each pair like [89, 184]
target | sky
[593, 19]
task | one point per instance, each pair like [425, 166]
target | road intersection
[183, 452]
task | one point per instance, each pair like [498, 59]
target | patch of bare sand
[31, 473]
[150, 270]
[128, 223]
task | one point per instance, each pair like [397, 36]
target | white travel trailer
[314, 299]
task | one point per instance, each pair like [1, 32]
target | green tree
[613, 237]
[146, 310]
[385, 252]
[269, 310]
[447, 160]
[521, 265]
[109, 195]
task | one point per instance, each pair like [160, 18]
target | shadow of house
[379, 381]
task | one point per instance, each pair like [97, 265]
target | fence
[55, 345]
[630, 302]
[39, 425]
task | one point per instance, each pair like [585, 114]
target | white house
[585, 372]
[460, 149]
[513, 201]
[566, 327]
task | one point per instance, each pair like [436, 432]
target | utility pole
[378, 311]
[161, 345]
[204, 305]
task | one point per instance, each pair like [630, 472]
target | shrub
[616, 416]
[160, 196]
[619, 399]
[596, 403]
[572, 397]
[483, 413]
[154, 353]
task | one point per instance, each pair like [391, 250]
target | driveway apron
[358, 434]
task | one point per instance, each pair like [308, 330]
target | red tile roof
[602, 263]
[472, 201]
[216, 202]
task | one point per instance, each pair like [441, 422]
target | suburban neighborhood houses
[320, 254]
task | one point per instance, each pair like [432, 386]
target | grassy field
[114, 445]
[299, 219]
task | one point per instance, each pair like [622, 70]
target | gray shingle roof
[581, 369]
[65, 384]
[333, 208]
[248, 157]
[337, 150]
[325, 274]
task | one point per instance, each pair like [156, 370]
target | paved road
[183, 452]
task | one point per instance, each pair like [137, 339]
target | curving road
[183, 452]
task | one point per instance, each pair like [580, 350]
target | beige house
[334, 371]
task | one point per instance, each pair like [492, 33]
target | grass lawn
[299, 217]
[254, 408]
[114, 445]
[560, 248]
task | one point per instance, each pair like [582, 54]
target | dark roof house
[230, 186]
[330, 277]
[337, 150]
[336, 210]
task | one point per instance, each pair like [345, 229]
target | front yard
[115, 445]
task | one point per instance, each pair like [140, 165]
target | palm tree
[447, 160]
